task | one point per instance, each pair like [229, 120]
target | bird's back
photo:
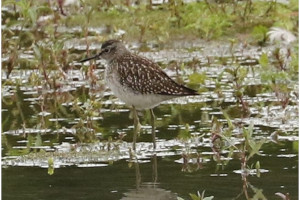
[146, 77]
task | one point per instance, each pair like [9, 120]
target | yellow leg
[138, 176]
[153, 128]
[154, 169]
[137, 126]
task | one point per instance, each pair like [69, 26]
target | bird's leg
[138, 177]
[153, 127]
[137, 126]
[154, 168]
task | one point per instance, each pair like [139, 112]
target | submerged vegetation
[57, 112]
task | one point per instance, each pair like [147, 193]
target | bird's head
[110, 50]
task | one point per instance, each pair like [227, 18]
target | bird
[137, 81]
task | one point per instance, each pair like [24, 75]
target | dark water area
[119, 181]
[86, 168]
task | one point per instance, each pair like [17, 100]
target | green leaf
[37, 52]
[255, 147]
[38, 141]
[229, 122]
[33, 15]
[30, 139]
[230, 71]
[257, 166]
[185, 134]
[194, 197]
[264, 60]
[296, 146]
[242, 73]
[50, 166]
[197, 78]
[259, 33]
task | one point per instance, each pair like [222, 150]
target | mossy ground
[243, 20]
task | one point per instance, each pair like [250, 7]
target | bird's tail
[188, 91]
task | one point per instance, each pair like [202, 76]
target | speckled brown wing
[146, 77]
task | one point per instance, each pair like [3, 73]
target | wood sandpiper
[137, 81]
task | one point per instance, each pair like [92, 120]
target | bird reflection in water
[148, 190]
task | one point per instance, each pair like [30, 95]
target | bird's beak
[91, 58]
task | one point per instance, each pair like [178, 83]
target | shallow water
[119, 181]
[70, 138]
[95, 162]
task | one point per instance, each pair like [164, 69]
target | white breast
[128, 96]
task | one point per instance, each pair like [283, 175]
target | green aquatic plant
[200, 196]
[197, 78]
[206, 24]
[237, 77]
[252, 145]
[214, 20]
[278, 73]
[50, 166]
[259, 34]
[87, 126]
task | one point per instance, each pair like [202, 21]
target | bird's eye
[106, 50]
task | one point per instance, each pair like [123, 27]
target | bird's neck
[119, 56]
